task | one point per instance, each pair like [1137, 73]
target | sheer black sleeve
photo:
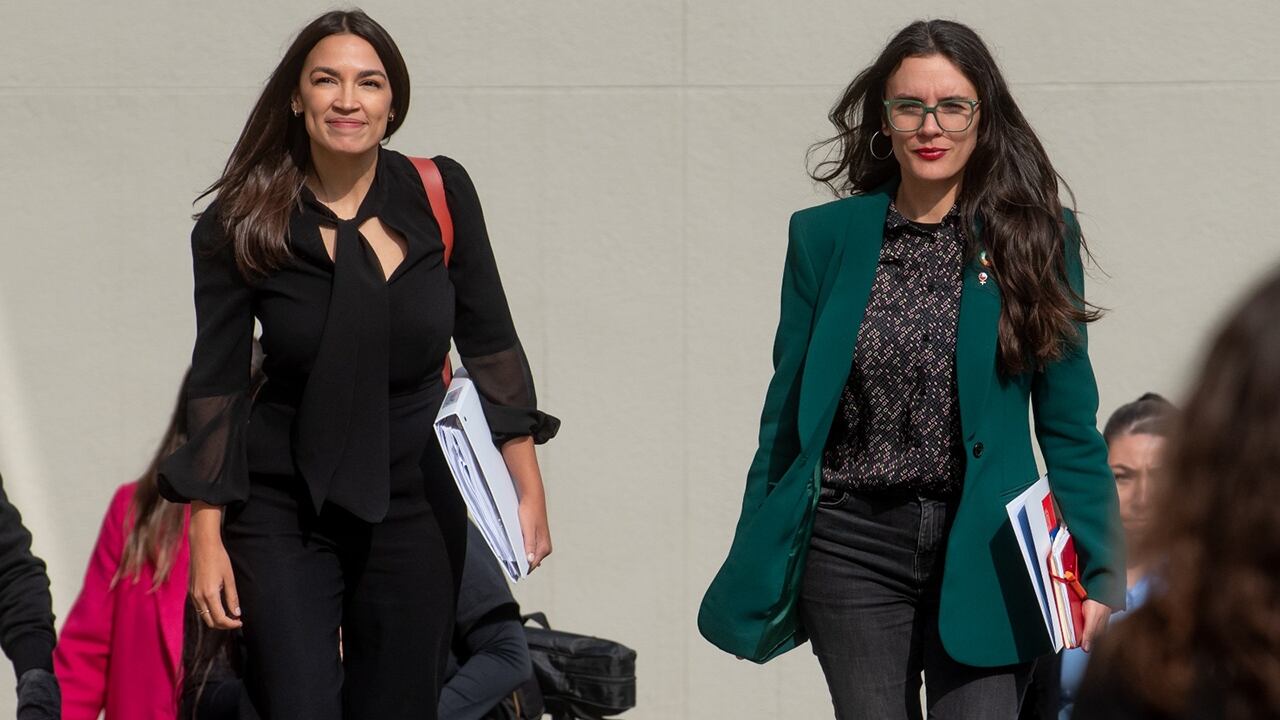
[483, 331]
[211, 465]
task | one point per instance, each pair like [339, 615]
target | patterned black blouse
[897, 426]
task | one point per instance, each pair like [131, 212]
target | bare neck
[341, 181]
[926, 201]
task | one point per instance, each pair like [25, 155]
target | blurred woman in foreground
[1207, 642]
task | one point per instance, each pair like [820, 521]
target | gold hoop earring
[872, 147]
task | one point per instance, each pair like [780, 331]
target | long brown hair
[1009, 184]
[155, 524]
[263, 178]
[1212, 629]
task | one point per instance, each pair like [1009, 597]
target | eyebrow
[359, 76]
[919, 99]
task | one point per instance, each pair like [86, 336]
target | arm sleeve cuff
[31, 651]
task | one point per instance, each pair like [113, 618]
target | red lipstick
[930, 153]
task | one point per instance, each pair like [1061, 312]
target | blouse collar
[895, 220]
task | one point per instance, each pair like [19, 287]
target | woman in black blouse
[327, 486]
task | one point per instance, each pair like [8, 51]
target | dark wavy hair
[263, 178]
[1213, 630]
[1150, 414]
[1008, 182]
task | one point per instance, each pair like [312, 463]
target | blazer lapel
[976, 332]
[835, 331]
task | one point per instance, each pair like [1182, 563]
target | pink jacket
[121, 648]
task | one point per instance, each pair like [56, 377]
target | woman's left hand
[537, 535]
[522, 462]
[1096, 616]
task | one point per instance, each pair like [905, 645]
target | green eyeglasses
[955, 115]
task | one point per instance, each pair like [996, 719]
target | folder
[1048, 551]
[1065, 573]
[481, 474]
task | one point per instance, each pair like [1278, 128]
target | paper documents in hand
[1049, 553]
[481, 474]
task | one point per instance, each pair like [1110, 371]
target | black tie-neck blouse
[353, 359]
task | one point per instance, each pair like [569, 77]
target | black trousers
[343, 619]
[870, 603]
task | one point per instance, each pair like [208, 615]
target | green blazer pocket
[750, 609]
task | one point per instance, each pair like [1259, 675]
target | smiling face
[344, 96]
[931, 154]
[1136, 461]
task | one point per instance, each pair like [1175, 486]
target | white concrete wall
[638, 162]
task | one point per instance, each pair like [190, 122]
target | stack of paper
[1049, 555]
[481, 474]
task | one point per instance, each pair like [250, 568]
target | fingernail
[531, 557]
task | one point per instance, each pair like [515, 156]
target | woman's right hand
[213, 585]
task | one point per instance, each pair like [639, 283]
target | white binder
[481, 474]
[1031, 527]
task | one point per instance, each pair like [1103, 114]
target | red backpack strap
[433, 183]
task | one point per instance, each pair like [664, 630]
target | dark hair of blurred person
[1207, 642]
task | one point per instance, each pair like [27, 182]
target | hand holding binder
[1052, 564]
[481, 474]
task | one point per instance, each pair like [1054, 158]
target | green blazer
[988, 614]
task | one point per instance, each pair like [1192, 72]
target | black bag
[582, 677]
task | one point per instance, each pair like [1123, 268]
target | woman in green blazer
[922, 317]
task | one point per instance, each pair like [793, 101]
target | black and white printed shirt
[897, 427]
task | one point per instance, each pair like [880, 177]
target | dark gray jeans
[870, 604]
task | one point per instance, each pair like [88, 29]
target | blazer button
[977, 450]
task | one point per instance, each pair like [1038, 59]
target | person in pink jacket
[121, 645]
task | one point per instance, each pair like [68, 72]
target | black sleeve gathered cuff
[211, 466]
[507, 395]
[509, 423]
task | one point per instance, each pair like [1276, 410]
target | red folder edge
[1076, 592]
